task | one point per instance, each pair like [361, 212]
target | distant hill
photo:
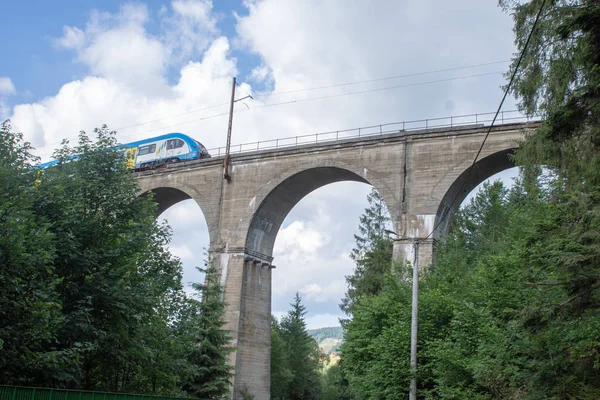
[329, 339]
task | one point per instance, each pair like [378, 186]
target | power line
[172, 116]
[381, 79]
[377, 90]
[300, 101]
[153, 130]
[277, 104]
[330, 96]
[512, 78]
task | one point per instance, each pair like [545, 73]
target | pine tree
[281, 375]
[211, 372]
[372, 253]
[304, 355]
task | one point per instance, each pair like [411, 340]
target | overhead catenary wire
[380, 79]
[322, 98]
[378, 89]
[506, 91]
[268, 105]
[172, 116]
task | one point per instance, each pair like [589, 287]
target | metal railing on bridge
[512, 116]
[33, 393]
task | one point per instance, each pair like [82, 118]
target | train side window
[174, 144]
[147, 149]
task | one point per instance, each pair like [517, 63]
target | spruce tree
[304, 355]
[211, 372]
[372, 253]
[280, 371]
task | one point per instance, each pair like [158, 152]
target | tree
[372, 254]
[281, 375]
[211, 373]
[304, 357]
[112, 261]
[560, 79]
[335, 385]
[29, 305]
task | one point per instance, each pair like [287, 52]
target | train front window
[175, 144]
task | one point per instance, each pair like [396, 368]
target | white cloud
[314, 321]
[298, 241]
[190, 29]
[6, 86]
[72, 38]
[183, 252]
[332, 291]
[260, 74]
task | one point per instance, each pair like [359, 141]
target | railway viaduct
[418, 173]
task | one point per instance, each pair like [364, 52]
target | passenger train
[155, 152]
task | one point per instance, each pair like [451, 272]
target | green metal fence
[30, 393]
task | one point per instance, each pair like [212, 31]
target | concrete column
[253, 369]
[247, 282]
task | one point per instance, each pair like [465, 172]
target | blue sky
[39, 69]
[73, 65]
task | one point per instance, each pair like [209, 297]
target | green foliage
[296, 358]
[114, 268]
[211, 374]
[90, 297]
[334, 384]
[372, 254]
[281, 375]
[510, 310]
[30, 311]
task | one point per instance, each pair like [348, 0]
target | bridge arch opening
[467, 184]
[307, 223]
[279, 202]
[166, 197]
[190, 237]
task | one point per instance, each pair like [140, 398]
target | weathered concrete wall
[418, 175]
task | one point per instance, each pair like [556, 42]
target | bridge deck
[329, 144]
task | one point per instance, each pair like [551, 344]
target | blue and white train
[156, 151]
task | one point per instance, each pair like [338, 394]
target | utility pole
[414, 323]
[226, 159]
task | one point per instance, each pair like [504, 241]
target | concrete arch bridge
[418, 173]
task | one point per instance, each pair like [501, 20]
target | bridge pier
[247, 296]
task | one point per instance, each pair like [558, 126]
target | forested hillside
[328, 339]
[326, 333]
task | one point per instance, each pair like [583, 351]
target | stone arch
[167, 197]
[483, 169]
[280, 200]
